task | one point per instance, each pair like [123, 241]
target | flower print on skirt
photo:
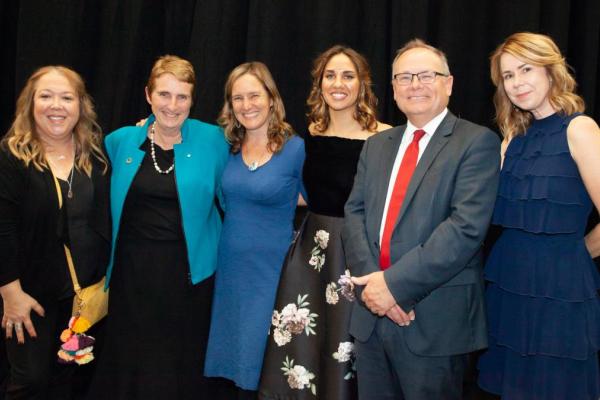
[311, 318]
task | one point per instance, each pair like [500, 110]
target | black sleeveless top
[329, 170]
[151, 209]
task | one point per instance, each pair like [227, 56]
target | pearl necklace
[153, 154]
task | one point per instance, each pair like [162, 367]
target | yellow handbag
[91, 302]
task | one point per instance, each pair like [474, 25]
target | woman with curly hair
[542, 298]
[260, 189]
[309, 350]
[53, 141]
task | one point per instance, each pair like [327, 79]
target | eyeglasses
[425, 77]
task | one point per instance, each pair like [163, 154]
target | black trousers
[388, 370]
[34, 372]
[3, 371]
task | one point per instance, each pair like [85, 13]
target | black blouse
[76, 231]
[151, 209]
[329, 170]
[32, 228]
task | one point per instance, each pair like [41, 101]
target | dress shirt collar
[429, 127]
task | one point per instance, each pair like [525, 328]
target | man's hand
[397, 314]
[379, 299]
[376, 294]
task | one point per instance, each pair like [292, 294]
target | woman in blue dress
[260, 190]
[542, 298]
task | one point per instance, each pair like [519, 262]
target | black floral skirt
[310, 352]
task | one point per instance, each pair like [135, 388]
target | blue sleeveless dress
[542, 297]
[257, 231]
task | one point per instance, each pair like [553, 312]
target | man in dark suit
[414, 224]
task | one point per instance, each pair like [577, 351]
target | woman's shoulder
[582, 131]
[294, 144]
[12, 169]
[381, 126]
[123, 133]
[197, 125]
[203, 134]
[581, 121]
[8, 160]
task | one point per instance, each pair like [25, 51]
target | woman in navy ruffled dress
[542, 298]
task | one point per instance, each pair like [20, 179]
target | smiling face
[170, 100]
[421, 102]
[55, 107]
[340, 83]
[526, 85]
[251, 104]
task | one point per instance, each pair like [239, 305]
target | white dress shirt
[407, 138]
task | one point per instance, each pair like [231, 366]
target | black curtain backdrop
[113, 44]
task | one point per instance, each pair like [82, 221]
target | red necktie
[405, 172]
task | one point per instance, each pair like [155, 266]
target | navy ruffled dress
[542, 296]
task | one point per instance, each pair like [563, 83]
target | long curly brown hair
[366, 103]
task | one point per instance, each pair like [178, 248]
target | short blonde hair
[278, 132]
[539, 50]
[177, 66]
[23, 141]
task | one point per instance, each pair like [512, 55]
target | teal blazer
[200, 159]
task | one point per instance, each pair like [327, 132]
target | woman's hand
[17, 311]
[592, 242]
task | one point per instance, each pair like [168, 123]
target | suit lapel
[388, 156]
[435, 145]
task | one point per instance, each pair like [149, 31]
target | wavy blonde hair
[366, 103]
[23, 141]
[278, 132]
[539, 50]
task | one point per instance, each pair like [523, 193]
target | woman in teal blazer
[165, 233]
[200, 159]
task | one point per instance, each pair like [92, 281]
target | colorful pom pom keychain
[77, 347]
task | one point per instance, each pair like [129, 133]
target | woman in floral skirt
[309, 352]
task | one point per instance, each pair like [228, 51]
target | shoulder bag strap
[76, 286]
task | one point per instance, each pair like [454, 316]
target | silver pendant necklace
[70, 182]
[153, 154]
[253, 166]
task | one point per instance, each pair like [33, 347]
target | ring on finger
[9, 324]
[18, 326]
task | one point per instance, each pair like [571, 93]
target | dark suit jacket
[436, 245]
